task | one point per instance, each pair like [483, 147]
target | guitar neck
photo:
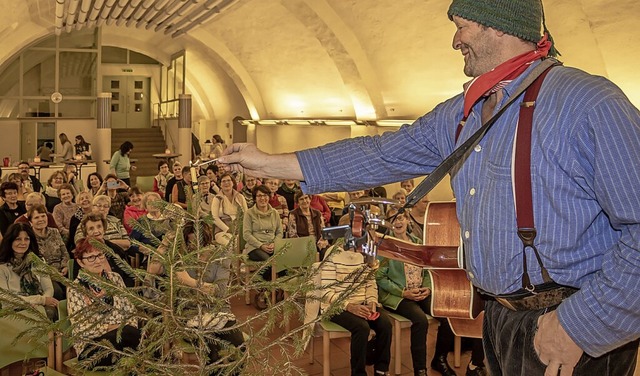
[435, 257]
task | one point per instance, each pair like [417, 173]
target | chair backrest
[145, 183]
[298, 252]
[63, 318]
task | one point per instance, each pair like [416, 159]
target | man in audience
[34, 199]
[23, 169]
[563, 282]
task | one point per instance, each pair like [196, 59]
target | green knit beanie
[520, 18]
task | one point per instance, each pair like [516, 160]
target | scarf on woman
[500, 76]
[162, 181]
[29, 284]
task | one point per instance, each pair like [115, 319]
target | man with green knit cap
[546, 200]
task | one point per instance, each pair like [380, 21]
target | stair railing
[162, 116]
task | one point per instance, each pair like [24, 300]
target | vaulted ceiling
[279, 59]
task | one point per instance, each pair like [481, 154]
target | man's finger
[566, 370]
[552, 369]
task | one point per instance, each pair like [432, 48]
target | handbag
[226, 219]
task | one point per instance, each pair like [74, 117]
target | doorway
[130, 101]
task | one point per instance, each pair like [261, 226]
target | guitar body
[453, 296]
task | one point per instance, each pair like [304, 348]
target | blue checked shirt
[585, 180]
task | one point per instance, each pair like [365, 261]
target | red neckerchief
[502, 75]
[499, 77]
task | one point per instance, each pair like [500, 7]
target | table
[37, 166]
[168, 156]
[78, 163]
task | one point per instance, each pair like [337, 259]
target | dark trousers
[508, 344]
[416, 312]
[260, 255]
[359, 329]
[130, 339]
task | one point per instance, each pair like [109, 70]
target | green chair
[145, 183]
[25, 347]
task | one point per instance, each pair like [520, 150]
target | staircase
[146, 141]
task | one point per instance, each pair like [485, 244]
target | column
[184, 128]
[102, 148]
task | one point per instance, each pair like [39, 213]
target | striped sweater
[345, 272]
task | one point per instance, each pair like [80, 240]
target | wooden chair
[329, 330]
[399, 323]
[11, 352]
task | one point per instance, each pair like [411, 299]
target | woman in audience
[212, 174]
[247, 189]
[11, 209]
[182, 191]
[416, 217]
[117, 324]
[24, 188]
[225, 208]
[210, 278]
[72, 177]
[51, 246]
[114, 231]
[33, 199]
[16, 274]
[307, 221]
[401, 196]
[84, 202]
[116, 189]
[164, 175]
[134, 210]
[276, 201]
[120, 164]
[152, 223]
[407, 185]
[260, 228]
[345, 272]
[336, 202]
[177, 176]
[51, 189]
[94, 182]
[205, 197]
[64, 211]
[288, 190]
[318, 203]
[82, 148]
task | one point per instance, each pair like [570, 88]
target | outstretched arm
[250, 160]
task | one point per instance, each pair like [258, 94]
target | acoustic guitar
[453, 296]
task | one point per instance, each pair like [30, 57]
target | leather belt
[537, 300]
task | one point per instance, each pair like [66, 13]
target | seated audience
[31, 181]
[182, 190]
[225, 209]
[212, 173]
[401, 196]
[113, 230]
[50, 244]
[12, 208]
[261, 226]
[247, 189]
[51, 189]
[307, 221]
[276, 201]
[33, 199]
[72, 178]
[407, 185]
[160, 181]
[288, 189]
[116, 189]
[336, 201]
[134, 210]
[211, 280]
[94, 182]
[84, 200]
[153, 225]
[177, 176]
[116, 325]
[318, 203]
[16, 274]
[24, 186]
[204, 195]
[416, 217]
[360, 311]
[96, 226]
[64, 211]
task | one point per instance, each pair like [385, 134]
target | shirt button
[471, 275]
[472, 191]
[467, 234]
[478, 148]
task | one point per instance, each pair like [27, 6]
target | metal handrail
[162, 116]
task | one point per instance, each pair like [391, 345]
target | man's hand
[554, 346]
[248, 159]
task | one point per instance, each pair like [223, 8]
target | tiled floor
[340, 350]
